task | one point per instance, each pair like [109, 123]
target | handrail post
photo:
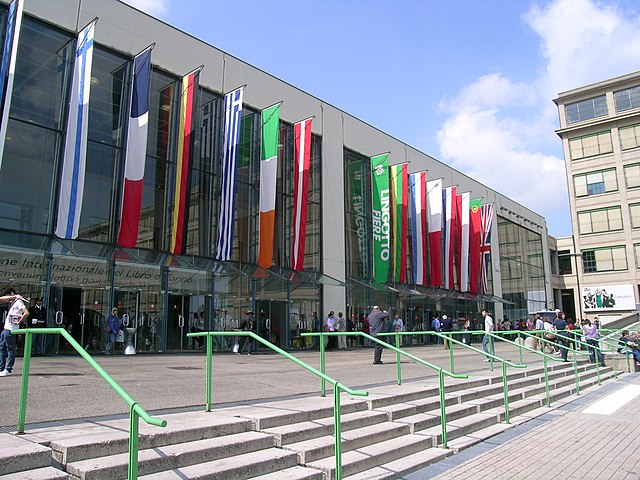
[323, 388]
[24, 385]
[132, 473]
[520, 343]
[398, 359]
[443, 409]
[209, 369]
[505, 387]
[336, 430]
[546, 380]
[450, 343]
[575, 372]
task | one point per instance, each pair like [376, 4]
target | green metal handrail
[545, 358]
[441, 372]
[337, 386]
[491, 356]
[135, 411]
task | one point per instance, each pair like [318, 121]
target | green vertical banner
[357, 197]
[381, 218]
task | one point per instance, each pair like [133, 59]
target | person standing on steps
[487, 340]
[15, 316]
[377, 321]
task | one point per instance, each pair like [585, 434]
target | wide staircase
[390, 433]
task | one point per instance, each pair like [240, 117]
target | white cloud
[157, 8]
[501, 132]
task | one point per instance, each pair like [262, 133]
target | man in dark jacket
[377, 319]
[446, 327]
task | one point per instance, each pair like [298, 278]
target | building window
[627, 99]
[634, 211]
[629, 137]
[587, 109]
[600, 220]
[604, 259]
[636, 251]
[594, 183]
[632, 175]
[565, 262]
[590, 145]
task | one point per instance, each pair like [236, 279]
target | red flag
[474, 244]
[302, 157]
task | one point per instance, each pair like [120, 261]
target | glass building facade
[166, 295]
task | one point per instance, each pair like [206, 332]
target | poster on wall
[608, 297]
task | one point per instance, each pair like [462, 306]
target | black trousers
[377, 353]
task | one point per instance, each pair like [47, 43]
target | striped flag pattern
[474, 244]
[8, 68]
[268, 173]
[434, 224]
[302, 160]
[418, 184]
[399, 195]
[226, 216]
[464, 241]
[486, 221]
[448, 206]
[189, 89]
[75, 147]
[135, 156]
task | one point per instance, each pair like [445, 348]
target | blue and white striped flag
[75, 146]
[232, 117]
[8, 68]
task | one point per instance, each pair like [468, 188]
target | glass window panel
[580, 184]
[584, 222]
[604, 142]
[108, 82]
[595, 177]
[628, 138]
[632, 174]
[589, 261]
[99, 188]
[590, 146]
[634, 211]
[619, 258]
[27, 177]
[41, 74]
[636, 251]
[610, 180]
[586, 109]
[604, 260]
[575, 148]
[627, 99]
[599, 221]
[615, 218]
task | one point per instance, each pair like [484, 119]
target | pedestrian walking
[487, 340]
[15, 316]
[377, 319]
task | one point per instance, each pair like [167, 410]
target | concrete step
[111, 438]
[316, 448]
[387, 397]
[425, 420]
[297, 432]
[516, 408]
[18, 454]
[402, 466]
[460, 427]
[477, 436]
[405, 409]
[371, 456]
[293, 473]
[170, 457]
[238, 467]
[46, 473]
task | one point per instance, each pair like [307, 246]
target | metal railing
[135, 411]
[441, 372]
[337, 386]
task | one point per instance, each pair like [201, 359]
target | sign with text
[608, 297]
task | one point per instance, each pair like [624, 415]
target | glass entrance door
[189, 307]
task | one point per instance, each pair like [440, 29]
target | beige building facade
[600, 130]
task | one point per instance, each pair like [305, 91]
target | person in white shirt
[15, 316]
[487, 340]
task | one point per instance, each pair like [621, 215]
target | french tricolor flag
[136, 150]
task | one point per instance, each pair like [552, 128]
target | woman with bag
[111, 329]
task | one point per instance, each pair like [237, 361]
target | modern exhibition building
[212, 219]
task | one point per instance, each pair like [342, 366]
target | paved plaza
[570, 442]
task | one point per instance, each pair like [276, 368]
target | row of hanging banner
[75, 152]
[450, 232]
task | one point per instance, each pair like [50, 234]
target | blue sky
[469, 82]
